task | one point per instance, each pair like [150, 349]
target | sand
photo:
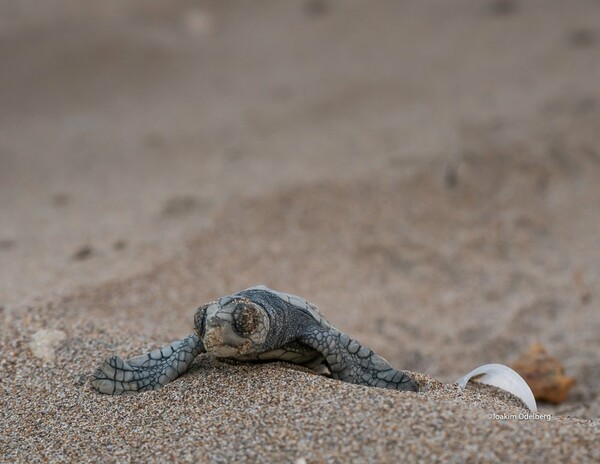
[426, 173]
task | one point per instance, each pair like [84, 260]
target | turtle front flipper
[351, 362]
[149, 371]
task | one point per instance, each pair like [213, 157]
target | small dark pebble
[180, 205]
[503, 7]
[61, 199]
[582, 38]
[316, 8]
[451, 176]
[84, 252]
[6, 244]
[120, 245]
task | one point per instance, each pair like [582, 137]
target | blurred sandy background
[426, 172]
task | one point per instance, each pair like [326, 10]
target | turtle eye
[246, 319]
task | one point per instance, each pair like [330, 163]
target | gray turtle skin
[255, 325]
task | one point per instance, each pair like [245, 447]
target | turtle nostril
[246, 319]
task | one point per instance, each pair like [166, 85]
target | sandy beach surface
[426, 173]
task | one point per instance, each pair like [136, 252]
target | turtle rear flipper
[149, 371]
[351, 362]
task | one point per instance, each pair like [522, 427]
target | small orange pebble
[544, 374]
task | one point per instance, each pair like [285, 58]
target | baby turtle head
[232, 326]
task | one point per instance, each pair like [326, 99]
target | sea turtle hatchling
[256, 324]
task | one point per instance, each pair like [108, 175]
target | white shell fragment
[503, 377]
